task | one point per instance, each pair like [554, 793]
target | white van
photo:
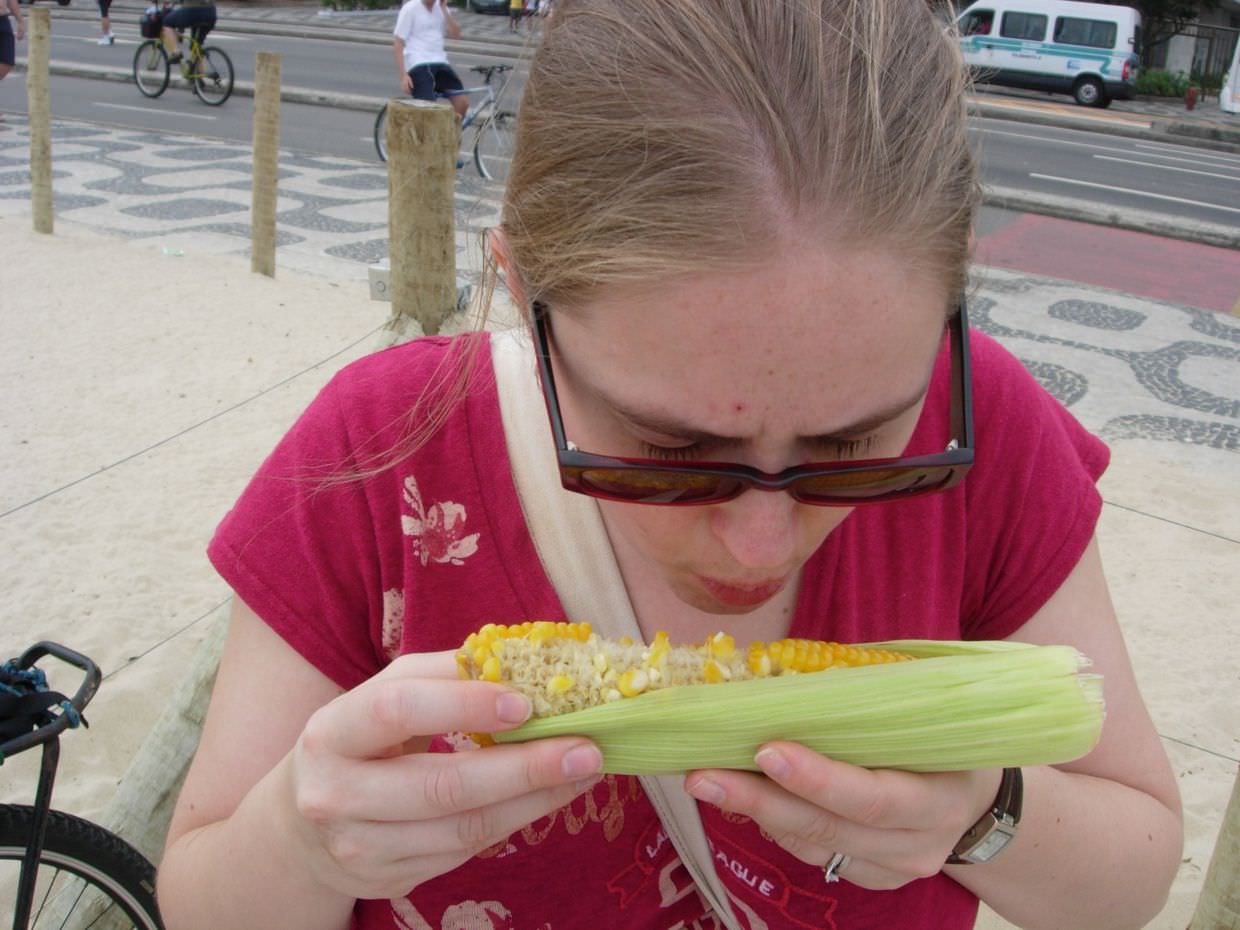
[1088, 50]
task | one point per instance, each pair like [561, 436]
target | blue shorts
[434, 80]
[200, 19]
[8, 44]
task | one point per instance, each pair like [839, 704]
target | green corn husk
[961, 705]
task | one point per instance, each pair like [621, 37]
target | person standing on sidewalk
[105, 23]
[739, 235]
[418, 48]
[8, 41]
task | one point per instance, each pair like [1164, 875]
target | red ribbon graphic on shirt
[748, 875]
[651, 853]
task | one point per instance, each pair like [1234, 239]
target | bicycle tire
[213, 76]
[118, 872]
[381, 133]
[494, 143]
[150, 68]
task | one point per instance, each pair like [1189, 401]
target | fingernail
[511, 707]
[706, 790]
[773, 763]
[587, 783]
[581, 760]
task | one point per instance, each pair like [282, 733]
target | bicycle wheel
[494, 143]
[150, 68]
[381, 133]
[87, 876]
[213, 76]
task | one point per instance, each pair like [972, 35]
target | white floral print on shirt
[437, 531]
[393, 621]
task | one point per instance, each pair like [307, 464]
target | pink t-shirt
[418, 555]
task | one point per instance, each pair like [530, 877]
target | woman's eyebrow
[671, 426]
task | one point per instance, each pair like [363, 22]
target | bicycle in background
[494, 129]
[208, 68]
[59, 870]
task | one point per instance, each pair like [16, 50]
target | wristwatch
[996, 828]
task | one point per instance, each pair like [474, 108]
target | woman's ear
[497, 242]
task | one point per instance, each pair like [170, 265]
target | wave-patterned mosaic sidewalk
[194, 194]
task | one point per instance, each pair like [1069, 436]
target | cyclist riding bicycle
[419, 53]
[196, 15]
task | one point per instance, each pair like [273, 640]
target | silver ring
[835, 865]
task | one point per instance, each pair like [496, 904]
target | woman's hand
[372, 819]
[894, 826]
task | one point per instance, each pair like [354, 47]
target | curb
[1215, 234]
[1214, 138]
[465, 45]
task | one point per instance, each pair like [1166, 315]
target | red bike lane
[1202, 276]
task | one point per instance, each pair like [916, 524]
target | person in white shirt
[420, 56]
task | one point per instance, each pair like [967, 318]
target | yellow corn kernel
[633, 682]
[491, 669]
[721, 646]
[559, 685]
[714, 673]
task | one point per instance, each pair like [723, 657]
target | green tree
[1162, 19]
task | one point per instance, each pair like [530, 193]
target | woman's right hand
[373, 819]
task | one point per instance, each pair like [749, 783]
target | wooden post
[266, 164]
[39, 110]
[1218, 908]
[422, 145]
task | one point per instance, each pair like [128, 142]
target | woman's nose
[759, 528]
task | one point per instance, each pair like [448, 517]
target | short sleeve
[1032, 497]
[299, 547]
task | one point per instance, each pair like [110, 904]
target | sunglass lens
[869, 485]
[651, 486]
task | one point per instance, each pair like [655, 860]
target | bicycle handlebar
[86, 691]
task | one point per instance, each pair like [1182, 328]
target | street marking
[1129, 190]
[1050, 140]
[1213, 156]
[162, 113]
[1150, 164]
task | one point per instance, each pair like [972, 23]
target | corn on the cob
[655, 708]
[565, 667]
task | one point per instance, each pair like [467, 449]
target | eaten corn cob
[565, 667]
[655, 708]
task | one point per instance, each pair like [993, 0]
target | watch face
[990, 845]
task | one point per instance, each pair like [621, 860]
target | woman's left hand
[894, 826]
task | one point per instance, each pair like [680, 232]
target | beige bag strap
[574, 549]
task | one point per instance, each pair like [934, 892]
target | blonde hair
[661, 137]
[665, 137]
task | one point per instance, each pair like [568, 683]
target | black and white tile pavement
[193, 195]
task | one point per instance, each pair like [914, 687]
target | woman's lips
[741, 595]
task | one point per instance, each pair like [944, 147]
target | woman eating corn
[738, 233]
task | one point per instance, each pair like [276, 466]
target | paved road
[1174, 180]
[1170, 183]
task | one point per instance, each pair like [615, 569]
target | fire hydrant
[1190, 98]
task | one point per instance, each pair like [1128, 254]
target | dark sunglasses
[828, 484]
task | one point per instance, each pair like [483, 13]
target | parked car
[1088, 50]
